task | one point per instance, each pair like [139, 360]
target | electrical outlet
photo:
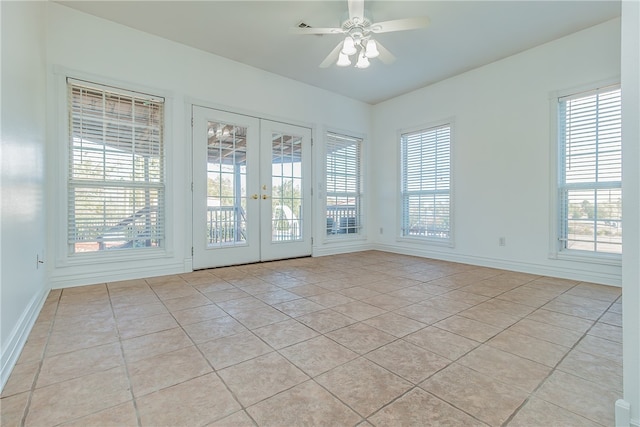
[502, 241]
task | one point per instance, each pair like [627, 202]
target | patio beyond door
[251, 189]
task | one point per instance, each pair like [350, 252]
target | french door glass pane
[226, 184]
[286, 192]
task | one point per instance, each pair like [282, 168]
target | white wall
[501, 153]
[86, 44]
[631, 207]
[23, 286]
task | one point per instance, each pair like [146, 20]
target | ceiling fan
[359, 29]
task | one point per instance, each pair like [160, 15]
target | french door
[251, 189]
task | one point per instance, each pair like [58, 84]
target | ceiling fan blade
[400, 25]
[356, 9]
[312, 30]
[332, 57]
[385, 56]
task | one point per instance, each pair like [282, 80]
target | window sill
[591, 258]
[342, 238]
[448, 243]
[107, 257]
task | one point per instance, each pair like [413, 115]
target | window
[116, 169]
[590, 172]
[344, 195]
[426, 184]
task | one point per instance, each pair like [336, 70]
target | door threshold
[253, 263]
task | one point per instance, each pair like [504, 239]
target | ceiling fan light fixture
[348, 47]
[372, 49]
[343, 60]
[363, 61]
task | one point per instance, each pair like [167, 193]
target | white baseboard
[524, 267]
[80, 279]
[19, 336]
[623, 414]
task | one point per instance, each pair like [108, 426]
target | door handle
[265, 197]
[254, 197]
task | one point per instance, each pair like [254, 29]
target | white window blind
[116, 169]
[343, 184]
[590, 172]
[426, 183]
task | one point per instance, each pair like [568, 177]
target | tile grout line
[41, 361]
[124, 360]
[310, 377]
[555, 367]
[452, 361]
[480, 344]
[252, 273]
[504, 329]
[417, 386]
[195, 345]
[363, 356]
[487, 340]
[320, 334]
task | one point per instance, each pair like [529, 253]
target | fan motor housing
[348, 25]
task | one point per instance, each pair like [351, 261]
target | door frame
[310, 214]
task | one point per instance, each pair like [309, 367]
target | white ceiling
[462, 35]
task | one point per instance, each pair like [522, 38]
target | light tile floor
[360, 339]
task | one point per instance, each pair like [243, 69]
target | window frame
[60, 163]
[556, 250]
[360, 213]
[432, 241]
